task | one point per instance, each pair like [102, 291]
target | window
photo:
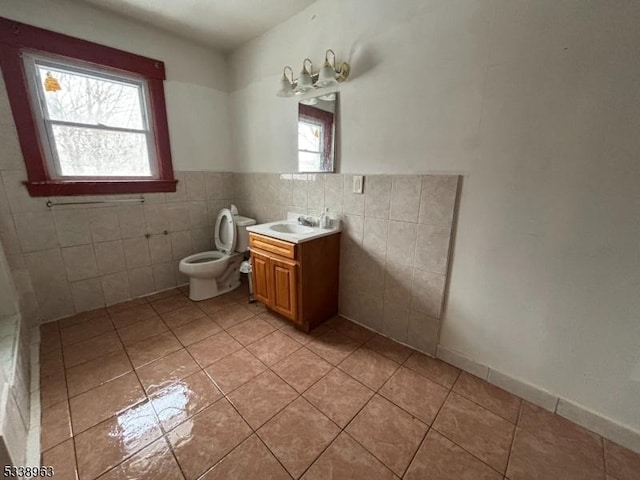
[310, 143]
[94, 124]
[91, 119]
[315, 139]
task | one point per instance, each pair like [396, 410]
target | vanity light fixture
[305, 82]
[329, 75]
[286, 84]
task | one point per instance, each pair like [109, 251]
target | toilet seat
[215, 272]
[225, 231]
[203, 257]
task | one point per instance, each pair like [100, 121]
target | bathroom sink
[291, 228]
[291, 231]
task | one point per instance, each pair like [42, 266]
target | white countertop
[265, 229]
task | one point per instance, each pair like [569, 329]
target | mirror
[317, 133]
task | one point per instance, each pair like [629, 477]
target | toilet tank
[242, 236]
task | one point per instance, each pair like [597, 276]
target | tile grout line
[361, 345]
[67, 400]
[468, 452]
[163, 432]
[482, 406]
[375, 392]
[455, 443]
[146, 399]
[299, 394]
[341, 429]
[73, 436]
[513, 439]
[66, 381]
[255, 431]
[273, 453]
[225, 396]
[429, 428]
[42, 410]
[604, 456]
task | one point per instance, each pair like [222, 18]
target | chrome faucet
[306, 221]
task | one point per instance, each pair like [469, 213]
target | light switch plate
[357, 183]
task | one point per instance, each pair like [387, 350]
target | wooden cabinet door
[261, 275]
[284, 298]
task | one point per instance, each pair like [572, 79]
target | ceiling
[222, 24]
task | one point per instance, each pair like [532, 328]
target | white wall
[196, 85]
[536, 103]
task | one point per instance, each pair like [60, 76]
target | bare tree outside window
[310, 145]
[98, 123]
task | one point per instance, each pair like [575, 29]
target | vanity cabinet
[297, 281]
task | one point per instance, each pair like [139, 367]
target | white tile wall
[36, 231]
[375, 236]
[78, 258]
[80, 262]
[378, 196]
[438, 198]
[141, 281]
[110, 257]
[198, 215]
[401, 243]
[163, 275]
[395, 242]
[8, 233]
[136, 252]
[353, 203]
[432, 250]
[160, 248]
[104, 224]
[195, 186]
[87, 294]
[47, 271]
[213, 186]
[405, 198]
[180, 244]
[131, 221]
[72, 227]
[115, 287]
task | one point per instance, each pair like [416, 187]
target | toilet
[217, 271]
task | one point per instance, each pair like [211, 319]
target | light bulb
[305, 83]
[286, 89]
[327, 76]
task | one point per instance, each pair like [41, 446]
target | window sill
[105, 187]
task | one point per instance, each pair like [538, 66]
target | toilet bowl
[215, 272]
[205, 264]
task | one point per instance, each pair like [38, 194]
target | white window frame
[44, 124]
[320, 126]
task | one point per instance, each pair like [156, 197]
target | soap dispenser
[325, 221]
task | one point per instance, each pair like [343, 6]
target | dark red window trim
[326, 119]
[15, 37]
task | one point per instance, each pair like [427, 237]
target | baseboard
[462, 362]
[599, 424]
[576, 413]
[529, 392]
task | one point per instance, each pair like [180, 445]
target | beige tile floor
[164, 388]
